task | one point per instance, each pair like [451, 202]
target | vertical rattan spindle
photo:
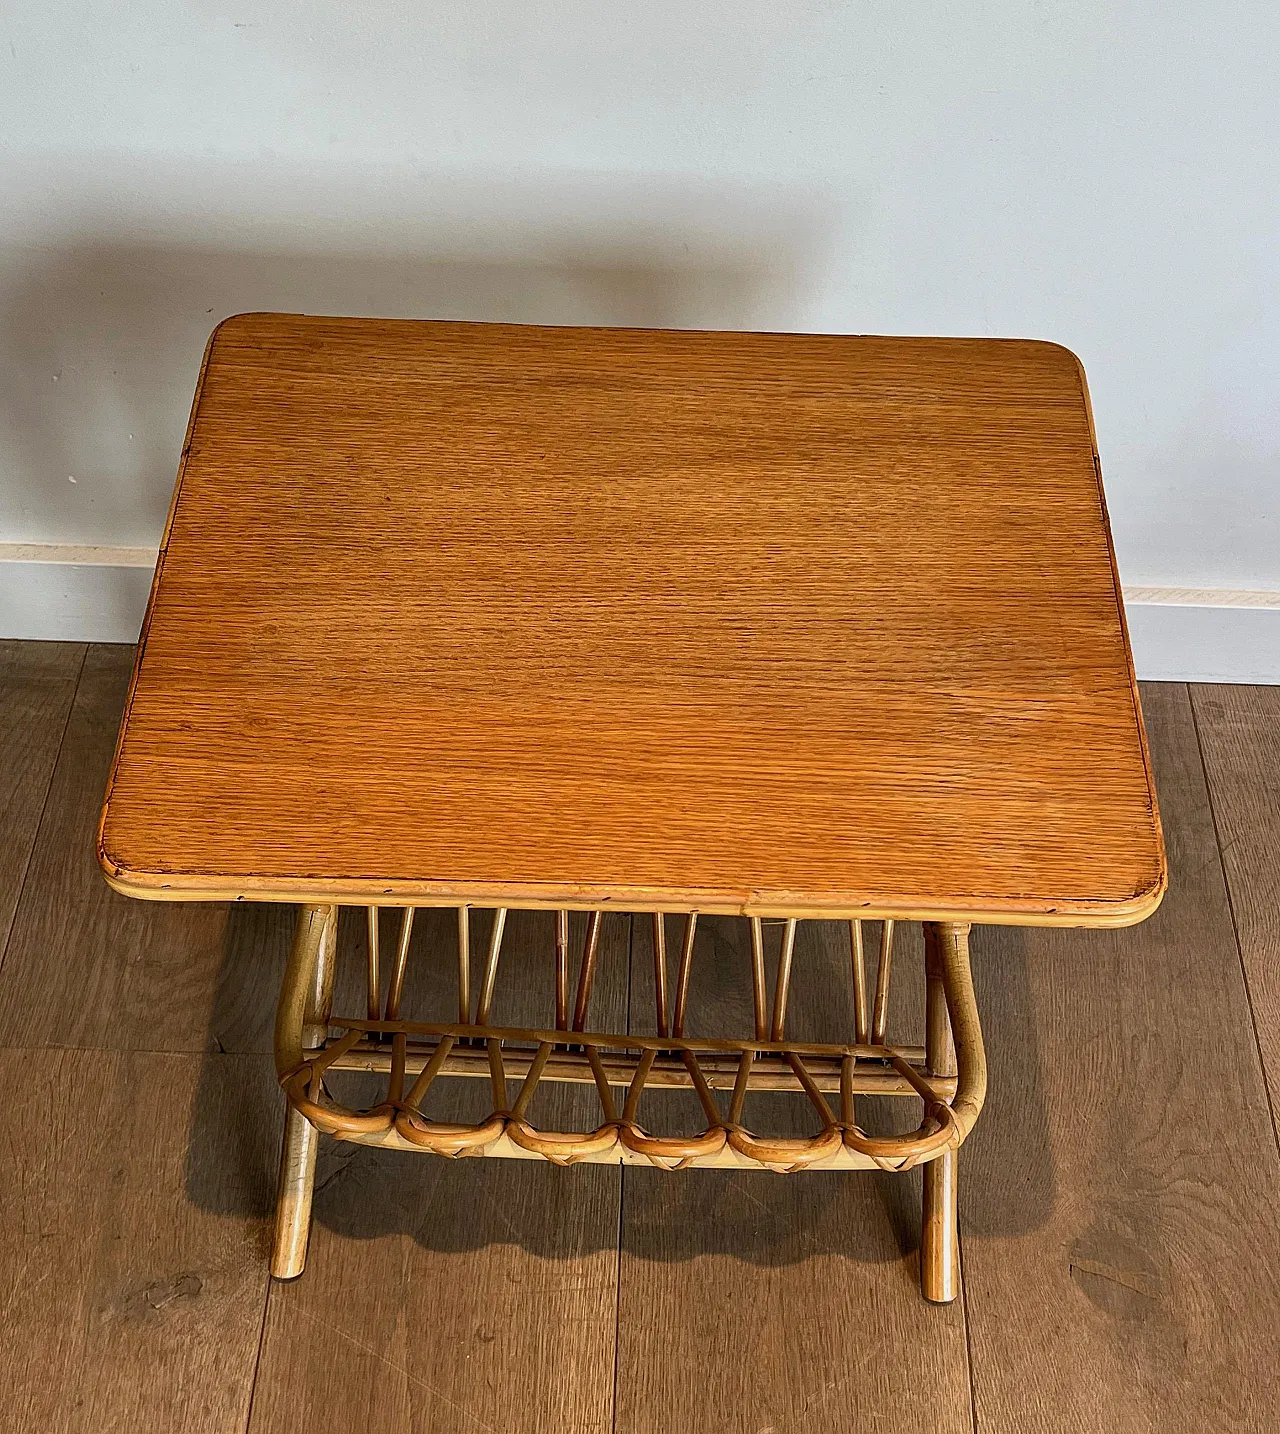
[562, 970]
[395, 992]
[660, 970]
[858, 960]
[683, 973]
[484, 1004]
[880, 1012]
[587, 971]
[759, 993]
[760, 1004]
[861, 1020]
[782, 987]
[373, 975]
[464, 965]
[396, 989]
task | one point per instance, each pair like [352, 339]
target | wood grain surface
[1239, 729]
[133, 1244]
[86, 967]
[780, 623]
[1118, 1198]
[37, 684]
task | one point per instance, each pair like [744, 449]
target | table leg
[939, 1238]
[301, 1024]
[293, 1196]
[940, 1244]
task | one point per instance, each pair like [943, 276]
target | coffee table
[789, 628]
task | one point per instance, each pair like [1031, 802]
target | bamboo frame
[301, 1028]
[947, 1075]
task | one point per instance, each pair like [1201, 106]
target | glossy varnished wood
[749, 622]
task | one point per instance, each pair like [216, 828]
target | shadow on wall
[101, 337]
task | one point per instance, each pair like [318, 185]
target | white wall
[1098, 172]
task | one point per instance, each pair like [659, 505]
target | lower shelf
[947, 1075]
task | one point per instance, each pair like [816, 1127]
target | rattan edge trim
[543, 896]
[503, 1147]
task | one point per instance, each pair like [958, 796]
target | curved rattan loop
[331, 1118]
[677, 1148]
[562, 1148]
[446, 1138]
[787, 1153]
[338, 1120]
[920, 1144]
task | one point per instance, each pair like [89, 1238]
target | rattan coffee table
[787, 628]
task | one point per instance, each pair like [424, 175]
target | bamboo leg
[939, 1240]
[301, 1020]
[293, 1196]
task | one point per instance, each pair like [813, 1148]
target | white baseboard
[70, 594]
[1184, 643]
[86, 594]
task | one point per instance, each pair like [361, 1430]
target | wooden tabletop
[772, 623]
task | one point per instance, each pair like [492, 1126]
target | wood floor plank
[465, 1295]
[754, 1302]
[37, 684]
[1118, 1198]
[1239, 730]
[135, 1189]
[86, 967]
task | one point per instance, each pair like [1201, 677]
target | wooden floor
[1120, 1200]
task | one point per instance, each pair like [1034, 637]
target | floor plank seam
[44, 808]
[1231, 907]
[257, 1358]
[968, 1333]
[617, 1319]
[136, 1051]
